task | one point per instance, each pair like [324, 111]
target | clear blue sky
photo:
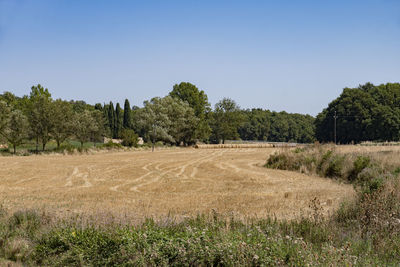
[281, 55]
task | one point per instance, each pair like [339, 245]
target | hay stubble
[181, 182]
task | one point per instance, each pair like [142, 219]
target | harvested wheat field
[178, 182]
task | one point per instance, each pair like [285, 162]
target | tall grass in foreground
[372, 220]
[33, 239]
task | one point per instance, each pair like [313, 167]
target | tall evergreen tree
[111, 118]
[127, 115]
[118, 121]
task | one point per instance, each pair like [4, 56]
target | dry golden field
[179, 182]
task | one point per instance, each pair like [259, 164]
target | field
[179, 182]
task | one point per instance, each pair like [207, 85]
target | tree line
[185, 116]
[365, 113]
[40, 118]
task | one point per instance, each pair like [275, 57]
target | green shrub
[335, 167]
[129, 138]
[322, 164]
[359, 164]
[372, 185]
[283, 161]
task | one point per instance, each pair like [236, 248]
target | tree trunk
[58, 143]
[44, 145]
[15, 149]
[81, 144]
[37, 145]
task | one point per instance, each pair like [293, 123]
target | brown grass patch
[178, 182]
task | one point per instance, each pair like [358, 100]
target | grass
[34, 239]
[183, 181]
[364, 231]
[371, 221]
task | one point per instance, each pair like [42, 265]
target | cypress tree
[106, 120]
[118, 121]
[111, 118]
[127, 115]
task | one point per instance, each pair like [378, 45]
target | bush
[283, 161]
[323, 162]
[335, 167]
[129, 138]
[359, 165]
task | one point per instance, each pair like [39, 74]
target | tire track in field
[170, 171]
[77, 174]
[203, 181]
[69, 178]
[148, 172]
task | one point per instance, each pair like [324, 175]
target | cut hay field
[179, 182]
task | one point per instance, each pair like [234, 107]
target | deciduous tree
[63, 124]
[39, 113]
[226, 120]
[16, 130]
[85, 126]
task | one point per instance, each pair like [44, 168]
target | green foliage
[118, 121]
[226, 120]
[167, 119]
[29, 221]
[365, 113]
[39, 112]
[368, 112]
[321, 166]
[31, 239]
[85, 126]
[196, 98]
[62, 115]
[283, 161]
[111, 145]
[110, 114]
[127, 122]
[198, 101]
[265, 125]
[353, 168]
[129, 138]
[335, 167]
[15, 130]
[359, 165]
